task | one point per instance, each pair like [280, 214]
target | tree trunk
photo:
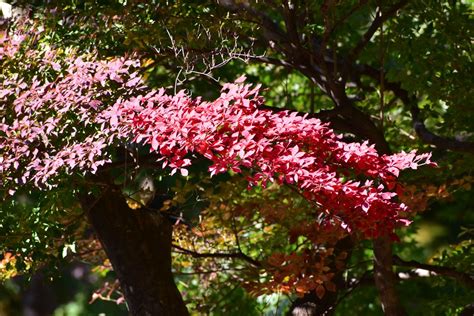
[138, 244]
[385, 278]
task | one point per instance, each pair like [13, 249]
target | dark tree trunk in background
[138, 244]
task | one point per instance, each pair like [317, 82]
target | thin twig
[236, 255]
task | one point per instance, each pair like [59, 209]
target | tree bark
[385, 280]
[138, 244]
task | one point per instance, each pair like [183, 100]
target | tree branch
[464, 278]
[423, 133]
[440, 142]
[346, 16]
[235, 255]
[385, 279]
[289, 14]
[315, 65]
[316, 69]
[376, 23]
[266, 60]
[298, 57]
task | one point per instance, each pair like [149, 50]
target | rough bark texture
[138, 244]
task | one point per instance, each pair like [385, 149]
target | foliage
[424, 49]
[230, 131]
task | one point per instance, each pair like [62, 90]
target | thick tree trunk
[138, 244]
[385, 278]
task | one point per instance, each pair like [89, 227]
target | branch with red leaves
[109, 103]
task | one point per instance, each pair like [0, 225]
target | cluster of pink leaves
[68, 123]
[58, 125]
[236, 134]
[12, 45]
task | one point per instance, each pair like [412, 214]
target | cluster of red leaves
[63, 114]
[234, 133]
[68, 123]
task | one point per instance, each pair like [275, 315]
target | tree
[92, 84]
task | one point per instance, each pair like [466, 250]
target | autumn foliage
[288, 148]
[63, 113]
